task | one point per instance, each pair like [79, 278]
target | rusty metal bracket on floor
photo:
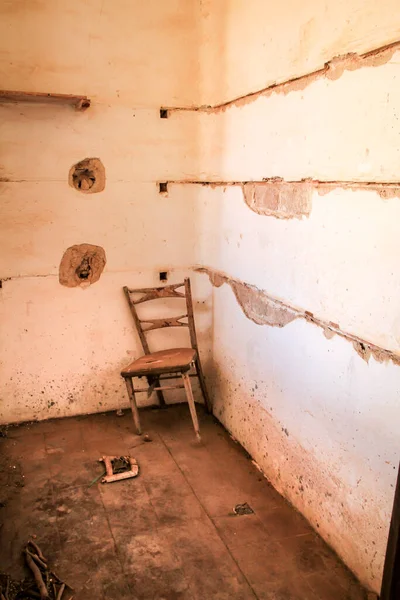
[112, 474]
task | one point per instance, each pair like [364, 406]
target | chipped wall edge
[332, 69]
[263, 309]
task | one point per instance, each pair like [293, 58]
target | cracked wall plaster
[263, 309]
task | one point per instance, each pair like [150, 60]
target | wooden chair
[166, 364]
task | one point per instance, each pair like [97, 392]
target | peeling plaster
[332, 69]
[278, 198]
[263, 309]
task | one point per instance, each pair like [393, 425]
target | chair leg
[160, 395]
[203, 386]
[192, 406]
[132, 400]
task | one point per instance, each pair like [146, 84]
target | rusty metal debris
[48, 584]
[119, 467]
[243, 509]
[45, 585]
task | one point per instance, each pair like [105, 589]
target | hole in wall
[84, 269]
[82, 265]
[88, 176]
[163, 275]
[163, 187]
[84, 104]
[163, 113]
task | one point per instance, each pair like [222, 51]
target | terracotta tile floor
[171, 532]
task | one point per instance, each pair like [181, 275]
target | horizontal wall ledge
[290, 199]
[332, 69]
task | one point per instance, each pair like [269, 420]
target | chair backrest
[169, 291]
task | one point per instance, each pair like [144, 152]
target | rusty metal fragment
[119, 467]
[243, 509]
[48, 584]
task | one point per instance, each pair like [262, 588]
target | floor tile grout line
[209, 517]
[124, 572]
[121, 562]
[52, 488]
[116, 549]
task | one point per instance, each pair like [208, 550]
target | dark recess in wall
[88, 176]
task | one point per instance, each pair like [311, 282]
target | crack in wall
[263, 309]
[332, 69]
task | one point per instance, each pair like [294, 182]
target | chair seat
[174, 360]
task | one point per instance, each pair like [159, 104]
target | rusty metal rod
[37, 560]
[37, 550]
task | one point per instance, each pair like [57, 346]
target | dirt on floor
[170, 533]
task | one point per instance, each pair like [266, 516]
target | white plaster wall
[42, 215]
[131, 59]
[61, 349]
[122, 52]
[340, 263]
[331, 130]
[41, 143]
[249, 45]
[321, 423]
